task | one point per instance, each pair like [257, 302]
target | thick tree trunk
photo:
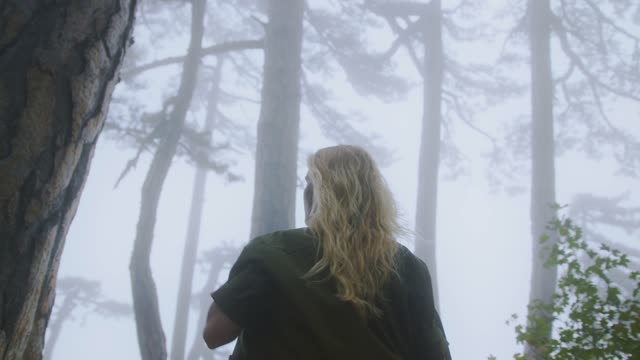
[543, 280]
[58, 65]
[429, 162]
[193, 231]
[145, 299]
[278, 126]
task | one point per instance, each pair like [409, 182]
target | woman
[343, 288]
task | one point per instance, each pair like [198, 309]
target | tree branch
[598, 102]
[159, 128]
[412, 53]
[464, 118]
[390, 12]
[398, 9]
[564, 77]
[458, 7]
[520, 28]
[217, 49]
[404, 37]
[311, 18]
[610, 22]
[244, 66]
[237, 97]
[574, 58]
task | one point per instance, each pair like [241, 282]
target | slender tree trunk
[59, 62]
[56, 325]
[278, 126]
[193, 231]
[198, 348]
[429, 162]
[145, 299]
[543, 280]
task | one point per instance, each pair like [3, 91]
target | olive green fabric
[286, 317]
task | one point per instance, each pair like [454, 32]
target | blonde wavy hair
[355, 220]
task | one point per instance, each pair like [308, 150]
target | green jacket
[286, 317]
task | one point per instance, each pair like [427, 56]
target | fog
[483, 236]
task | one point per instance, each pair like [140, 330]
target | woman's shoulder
[278, 238]
[282, 252]
[404, 256]
[409, 264]
[292, 240]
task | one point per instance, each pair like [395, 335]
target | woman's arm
[219, 330]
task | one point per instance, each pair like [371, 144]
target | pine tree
[59, 64]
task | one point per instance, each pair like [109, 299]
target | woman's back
[285, 316]
[343, 288]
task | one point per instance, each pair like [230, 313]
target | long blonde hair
[354, 218]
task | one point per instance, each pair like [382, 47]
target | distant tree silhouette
[74, 293]
[214, 261]
[279, 123]
[153, 132]
[151, 336]
[595, 214]
[189, 255]
[452, 91]
[571, 100]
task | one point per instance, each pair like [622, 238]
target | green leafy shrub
[592, 316]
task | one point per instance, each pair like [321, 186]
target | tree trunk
[193, 231]
[198, 348]
[56, 326]
[145, 299]
[58, 66]
[428, 167]
[543, 280]
[278, 126]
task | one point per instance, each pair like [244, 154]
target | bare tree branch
[593, 210]
[564, 77]
[602, 17]
[217, 49]
[160, 119]
[404, 37]
[458, 7]
[598, 102]
[390, 12]
[398, 8]
[457, 107]
[244, 66]
[309, 16]
[232, 96]
[519, 29]
[412, 53]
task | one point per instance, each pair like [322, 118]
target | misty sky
[483, 241]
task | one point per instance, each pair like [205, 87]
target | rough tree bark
[151, 338]
[429, 162]
[193, 230]
[279, 122]
[543, 280]
[59, 62]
